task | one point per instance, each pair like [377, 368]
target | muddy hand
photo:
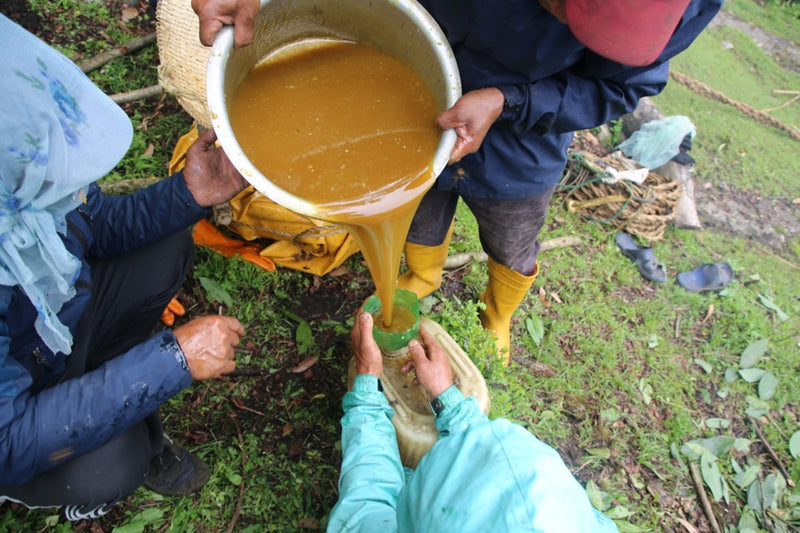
[430, 363]
[471, 117]
[209, 174]
[208, 342]
[369, 359]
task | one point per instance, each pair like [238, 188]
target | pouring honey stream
[352, 130]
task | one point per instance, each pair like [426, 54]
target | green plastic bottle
[414, 420]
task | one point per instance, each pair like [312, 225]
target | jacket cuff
[450, 397]
[513, 99]
[366, 383]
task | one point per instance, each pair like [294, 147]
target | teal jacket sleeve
[459, 413]
[372, 473]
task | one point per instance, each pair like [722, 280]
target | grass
[623, 377]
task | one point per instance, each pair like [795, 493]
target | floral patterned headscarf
[58, 134]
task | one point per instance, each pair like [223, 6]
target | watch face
[437, 406]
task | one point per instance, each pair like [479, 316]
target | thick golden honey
[350, 129]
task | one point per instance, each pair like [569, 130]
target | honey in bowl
[351, 129]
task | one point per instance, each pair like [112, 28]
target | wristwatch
[437, 406]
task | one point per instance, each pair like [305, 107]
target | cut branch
[701, 493]
[137, 94]
[772, 453]
[459, 260]
[131, 46]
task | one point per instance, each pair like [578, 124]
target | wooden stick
[238, 510]
[131, 46]
[459, 260]
[701, 492]
[772, 453]
[137, 94]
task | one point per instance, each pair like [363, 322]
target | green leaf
[131, 527]
[603, 453]
[711, 475]
[794, 445]
[751, 375]
[618, 512]
[767, 302]
[706, 366]
[741, 445]
[626, 527]
[215, 292]
[234, 478]
[535, 329]
[600, 500]
[718, 445]
[731, 374]
[754, 496]
[646, 390]
[652, 340]
[767, 386]
[748, 523]
[303, 337]
[753, 353]
[717, 423]
[748, 476]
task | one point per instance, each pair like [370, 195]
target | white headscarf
[58, 134]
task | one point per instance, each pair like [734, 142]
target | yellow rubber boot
[503, 294]
[425, 264]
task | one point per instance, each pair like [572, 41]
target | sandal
[644, 258]
[706, 277]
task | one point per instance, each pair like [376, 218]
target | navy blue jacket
[41, 426]
[556, 84]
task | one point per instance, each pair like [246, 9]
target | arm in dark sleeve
[40, 431]
[596, 90]
[128, 222]
[372, 473]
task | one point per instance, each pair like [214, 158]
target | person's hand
[430, 364]
[209, 174]
[471, 117]
[208, 342]
[367, 354]
[214, 14]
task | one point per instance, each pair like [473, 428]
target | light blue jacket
[481, 475]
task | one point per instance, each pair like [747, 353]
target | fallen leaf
[709, 313]
[149, 150]
[305, 364]
[308, 523]
[543, 297]
[555, 297]
[338, 271]
[129, 13]
[796, 201]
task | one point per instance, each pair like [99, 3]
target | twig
[137, 94]
[131, 46]
[677, 323]
[459, 260]
[785, 91]
[787, 103]
[701, 493]
[245, 408]
[238, 510]
[771, 452]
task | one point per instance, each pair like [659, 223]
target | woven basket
[184, 59]
[643, 210]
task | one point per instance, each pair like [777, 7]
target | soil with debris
[722, 207]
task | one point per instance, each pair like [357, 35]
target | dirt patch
[772, 222]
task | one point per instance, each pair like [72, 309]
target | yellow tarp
[301, 243]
